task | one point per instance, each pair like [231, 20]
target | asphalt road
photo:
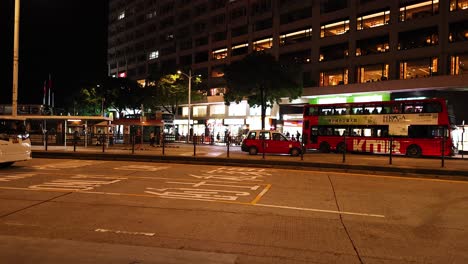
[95, 211]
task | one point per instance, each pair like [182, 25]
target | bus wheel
[413, 151]
[253, 151]
[324, 147]
[295, 152]
[340, 148]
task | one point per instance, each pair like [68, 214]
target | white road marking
[204, 183]
[17, 224]
[142, 167]
[226, 177]
[8, 178]
[66, 165]
[319, 210]
[211, 154]
[73, 184]
[123, 232]
[240, 171]
[197, 194]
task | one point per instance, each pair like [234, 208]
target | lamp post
[14, 103]
[189, 76]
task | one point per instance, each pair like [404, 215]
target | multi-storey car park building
[350, 50]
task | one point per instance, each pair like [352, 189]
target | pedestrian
[98, 138]
[138, 139]
[111, 137]
[76, 137]
[152, 139]
[218, 137]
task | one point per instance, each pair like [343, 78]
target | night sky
[66, 38]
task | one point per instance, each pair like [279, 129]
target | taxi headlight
[23, 136]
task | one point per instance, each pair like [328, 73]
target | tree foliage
[262, 80]
[115, 93]
[122, 93]
[167, 90]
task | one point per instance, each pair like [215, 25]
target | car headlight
[23, 136]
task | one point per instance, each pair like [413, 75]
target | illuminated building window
[373, 20]
[217, 72]
[372, 46]
[217, 110]
[301, 56]
[153, 55]
[334, 77]
[257, 111]
[240, 49]
[296, 36]
[263, 44]
[372, 73]
[459, 64]
[239, 109]
[199, 111]
[217, 91]
[418, 68]
[334, 52]
[456, 5]
[219, 54]
[121, 15]
[419, 10]
[151, 14]
[333, 29]
[458, 31]
[418, 38]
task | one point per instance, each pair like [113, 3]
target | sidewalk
[217, 154]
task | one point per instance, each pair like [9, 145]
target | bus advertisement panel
[416, 127]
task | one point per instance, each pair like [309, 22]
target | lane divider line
[319, 210]
[123, 232]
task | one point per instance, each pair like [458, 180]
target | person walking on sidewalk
[152, 139]
[138, 139]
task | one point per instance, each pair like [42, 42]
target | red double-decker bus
[416, 127]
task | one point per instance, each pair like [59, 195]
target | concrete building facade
[349, 50]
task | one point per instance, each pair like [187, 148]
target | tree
[262, 80]
[116, 93]
[122, 94]
[168, 89]
[87, 101]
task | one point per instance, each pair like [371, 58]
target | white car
[14, 146]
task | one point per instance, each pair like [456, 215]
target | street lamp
[14, 103]
[189, 76]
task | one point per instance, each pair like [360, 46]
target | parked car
[266, 141]
[15, 145]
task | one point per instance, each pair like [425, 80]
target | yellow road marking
[260, 195]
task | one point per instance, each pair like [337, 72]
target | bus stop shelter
[62, 126]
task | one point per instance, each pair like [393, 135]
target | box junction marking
[225, 185]
[139, 167]
[76, 183]
[73, 164]
[221, 184]
[8, 178]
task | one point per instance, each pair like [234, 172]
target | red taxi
[265, 141]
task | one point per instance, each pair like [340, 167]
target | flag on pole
[50, 88]
[45, 92]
